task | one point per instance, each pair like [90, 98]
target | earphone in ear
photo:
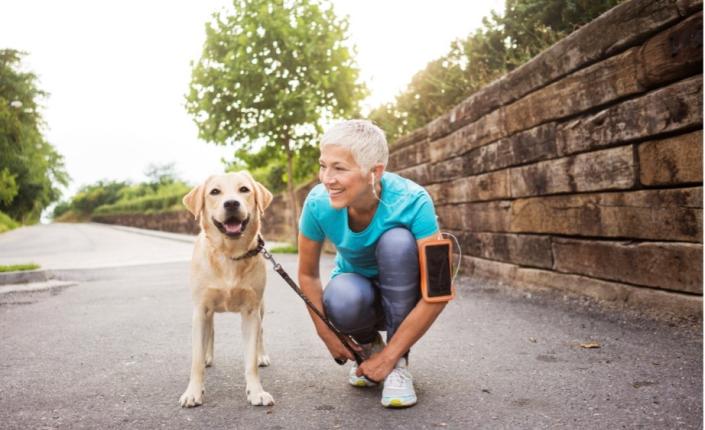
[374, 191]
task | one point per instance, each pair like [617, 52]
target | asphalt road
[113, 351]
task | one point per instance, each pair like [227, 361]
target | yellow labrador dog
[227, 275]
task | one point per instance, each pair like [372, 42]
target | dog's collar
[252, 252]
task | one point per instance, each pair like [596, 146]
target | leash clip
[268, 256]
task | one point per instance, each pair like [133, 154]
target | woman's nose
[327, 177]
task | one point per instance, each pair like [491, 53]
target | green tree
[503, 43]
[161, 174]
[31, 170]
[270, 73]
[271, 169]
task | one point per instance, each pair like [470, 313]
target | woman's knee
[397, 247]
[349, 301]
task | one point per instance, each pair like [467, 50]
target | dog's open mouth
[232, 227]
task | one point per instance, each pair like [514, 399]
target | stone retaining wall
[582, 169]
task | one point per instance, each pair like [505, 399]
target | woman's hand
[336, 347]
[377, 367]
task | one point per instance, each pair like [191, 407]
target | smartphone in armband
[435, 268]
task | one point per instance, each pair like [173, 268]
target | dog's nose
[231, 204]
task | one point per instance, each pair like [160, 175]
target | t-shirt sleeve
[308, 224]
[424, 223]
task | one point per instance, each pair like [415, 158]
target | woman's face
[342, 176]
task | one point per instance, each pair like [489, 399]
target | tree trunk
[292, 193]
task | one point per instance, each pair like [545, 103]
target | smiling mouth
[334, 193]
[232, 227]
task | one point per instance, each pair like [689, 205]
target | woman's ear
[377, 172]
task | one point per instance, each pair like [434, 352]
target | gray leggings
[360, 306]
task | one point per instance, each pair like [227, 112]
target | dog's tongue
[233, 227]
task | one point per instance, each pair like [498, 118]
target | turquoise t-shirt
[404, 204]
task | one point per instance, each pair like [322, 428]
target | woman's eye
[244, 190]
[214, 192]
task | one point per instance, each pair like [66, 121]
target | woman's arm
[409, 332]
[310, 282]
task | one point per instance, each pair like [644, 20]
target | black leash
[343, 338]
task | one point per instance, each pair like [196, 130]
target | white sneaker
[398, 389]
[370, 349]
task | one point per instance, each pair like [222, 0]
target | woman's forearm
[412, 328]
[313, 289]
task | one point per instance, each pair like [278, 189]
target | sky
[116, 72]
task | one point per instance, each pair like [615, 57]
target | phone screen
[438, 270]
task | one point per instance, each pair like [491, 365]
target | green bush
[168, 198]
[7, 223]
[91, 197]
[60, 209]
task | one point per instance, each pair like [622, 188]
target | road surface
[113, 351]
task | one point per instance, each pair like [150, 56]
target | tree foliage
[503, 43]
[31, 170]
[271, 72]
[270, 168]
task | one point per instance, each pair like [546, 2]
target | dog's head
[228, 202]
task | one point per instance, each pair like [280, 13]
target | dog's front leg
[210, 330]
[262, 357]
[193, 396]
[251, 325]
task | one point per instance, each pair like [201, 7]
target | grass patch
[7, 223]
[18, 267]
[286, 249]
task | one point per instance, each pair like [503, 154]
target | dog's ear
[262, 195]
[194, 200]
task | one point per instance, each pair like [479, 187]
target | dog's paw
[209, 360]
[193, 396]
[260, 398]
[263, 360]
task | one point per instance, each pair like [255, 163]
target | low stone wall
[174, 222]
[582, 169]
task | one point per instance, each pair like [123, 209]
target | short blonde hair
[362, 138]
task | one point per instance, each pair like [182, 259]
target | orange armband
[435, 268]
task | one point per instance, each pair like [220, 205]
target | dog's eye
[214, 192]
[244, 190]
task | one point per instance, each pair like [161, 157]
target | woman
[376, 220]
